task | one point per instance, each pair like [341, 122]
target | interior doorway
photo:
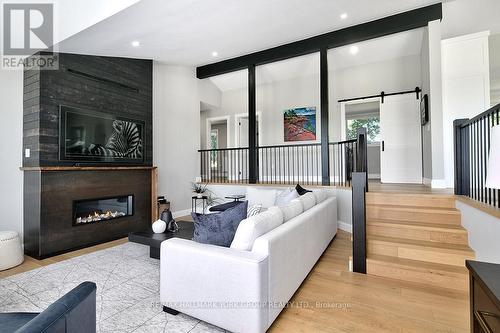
[394, 136]
[241, 129]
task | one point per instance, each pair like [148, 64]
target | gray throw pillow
[219, 228]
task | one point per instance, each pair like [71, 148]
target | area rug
[128, 290]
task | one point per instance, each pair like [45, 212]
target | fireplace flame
[98, 216]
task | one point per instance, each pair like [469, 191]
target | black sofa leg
[170, 310]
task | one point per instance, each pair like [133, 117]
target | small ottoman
[11, 252]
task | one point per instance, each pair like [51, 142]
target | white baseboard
[374, 176]
[345, 226]
[427, 181]
[180, 213]
[438, 183]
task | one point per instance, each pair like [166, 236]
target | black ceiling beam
[412, 19]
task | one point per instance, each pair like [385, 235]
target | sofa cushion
[320, 195]
[255, 226]
[291, 210]
[266, 198]
[286, 196]
[218, 229]
[308, 201]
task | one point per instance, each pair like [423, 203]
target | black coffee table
[153, 240]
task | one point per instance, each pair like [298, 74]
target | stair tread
[422, 243]
[408, 194]
[409, 263]
[443, 210]
[417, 224]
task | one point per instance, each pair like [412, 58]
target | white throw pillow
[291, 210]
[256, 196]
[320, 195]
[254, 210]
[255, 226]
[285, 198]
[308, 200]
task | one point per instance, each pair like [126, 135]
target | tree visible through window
[214, 144]
[372, 125]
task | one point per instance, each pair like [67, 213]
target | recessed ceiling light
[354, 49]
[215, 54]
[343, 16]
[135, 43]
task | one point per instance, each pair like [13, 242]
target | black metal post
[461, 157]
[252, 127]
[359, 188]
[325, 152]
[362, 153]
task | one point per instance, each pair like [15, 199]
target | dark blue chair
[75, 312]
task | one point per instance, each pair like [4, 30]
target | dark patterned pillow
[300, 190]
[220, 228]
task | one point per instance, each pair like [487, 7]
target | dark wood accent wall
[48, 207]
[120, 86]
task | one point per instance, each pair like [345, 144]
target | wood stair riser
[432, 277]
[444, 236]
[439, 256]
[421, 200]
[402, 214]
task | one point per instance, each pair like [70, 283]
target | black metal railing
[280, 164]
[471, 150]
[228, 165]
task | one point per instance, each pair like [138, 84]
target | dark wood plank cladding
[46, 90]
[48, 227]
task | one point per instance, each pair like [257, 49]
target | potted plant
[199, 189]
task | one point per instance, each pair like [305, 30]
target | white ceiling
[187, 31]
[408, 43]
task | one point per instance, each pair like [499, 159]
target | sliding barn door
[401, 148]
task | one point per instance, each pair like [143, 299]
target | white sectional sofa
[244, 291]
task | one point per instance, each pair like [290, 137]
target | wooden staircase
[417, 238]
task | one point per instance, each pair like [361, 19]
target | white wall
[370, 79]
[11, 135]
[426, 130]
[483, 232]
[436, 104]
[466, 87]
[461, 17]
[176, 132]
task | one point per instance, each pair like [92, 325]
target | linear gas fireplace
[101, 210]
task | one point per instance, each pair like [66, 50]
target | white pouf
[11, 252]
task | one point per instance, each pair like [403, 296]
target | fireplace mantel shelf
[87, 168]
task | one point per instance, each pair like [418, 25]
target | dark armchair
[75, 312]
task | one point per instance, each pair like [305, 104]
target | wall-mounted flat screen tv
[91, 136]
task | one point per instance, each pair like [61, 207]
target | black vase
[167, 217]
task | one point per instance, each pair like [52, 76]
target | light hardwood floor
[332, 299]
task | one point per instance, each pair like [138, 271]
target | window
[371, 123]
[214, 144]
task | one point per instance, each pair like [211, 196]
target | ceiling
[186, 32]
[408, 43]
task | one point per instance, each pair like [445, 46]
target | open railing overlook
[281, 164]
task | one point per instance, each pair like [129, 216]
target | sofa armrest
[225, 287]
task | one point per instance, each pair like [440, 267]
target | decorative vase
[159, 226]
[199, 195]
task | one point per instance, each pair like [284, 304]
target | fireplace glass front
[100, 210]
